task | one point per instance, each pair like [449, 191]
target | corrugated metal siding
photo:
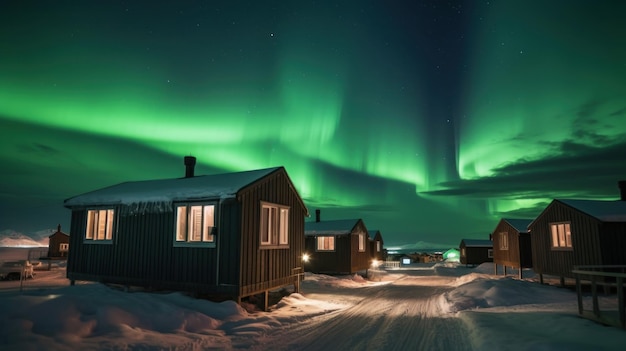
[269, 268]
[585, 241]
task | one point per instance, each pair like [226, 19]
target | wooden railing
[391, 264]
[610, 275]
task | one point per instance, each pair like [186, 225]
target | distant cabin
[337, 246]
[377, 251]
[568, 233]
[59, 244]
[229, 235]
[512, 245]
[476, 251]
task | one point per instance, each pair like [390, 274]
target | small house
[226, 236]
[570, 233]
[337, 246]
[511, 245]
[376, 245]
[58, 244]
[476, 251]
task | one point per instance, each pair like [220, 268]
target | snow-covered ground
[424, 307]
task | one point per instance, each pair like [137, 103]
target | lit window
[489, 253]
[561, 235]
[195, 225]
[361, 242]
[504, 241]
[325, 243]
[274, 229]
[64, 247]
[99, 226]
[378, 246]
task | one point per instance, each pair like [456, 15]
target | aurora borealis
[429, 120]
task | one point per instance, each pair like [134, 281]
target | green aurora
[428, 122]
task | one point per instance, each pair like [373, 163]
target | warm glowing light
[305, 258]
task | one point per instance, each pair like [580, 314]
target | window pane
[265, 214]
[568, 236]
[361, 242]
[331, 242]
[90, 224]
[209, 223]
[102, 218]
[195, 223]
[284, 226]
[555, 236]
[109, 229]
[181, 223]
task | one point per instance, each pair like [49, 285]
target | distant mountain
[11, 238]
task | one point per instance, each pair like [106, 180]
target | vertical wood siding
[519, 251]
[586, 248]
[262, 268]
[143, 254]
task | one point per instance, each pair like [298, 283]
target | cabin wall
[476, 255]
[330, 262]
[263, 268]
[519, 251]
[613, 243]
[143, 254]
[585, 241]
[54, 245]
[360, 260]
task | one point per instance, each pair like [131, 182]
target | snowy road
[402, 315]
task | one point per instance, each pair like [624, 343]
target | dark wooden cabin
[230, 235]
[511, 245]
[337, 246]
[476, 251]
[58, 245]
[377, 251]
[570, 233]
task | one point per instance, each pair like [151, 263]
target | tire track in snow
[403, 315]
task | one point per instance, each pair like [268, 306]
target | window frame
[94, 222]
[64, 247]
[197, 209]
[503, 241]
[489, 253]
[361, 238]
[276, 223]
[334, 243]
[556, 239]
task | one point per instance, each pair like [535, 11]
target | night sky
[430, 120]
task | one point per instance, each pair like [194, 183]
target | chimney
[59, 228]
[317, 215]
[190, 163]
[622, 189]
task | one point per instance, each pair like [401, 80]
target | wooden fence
[608, 276]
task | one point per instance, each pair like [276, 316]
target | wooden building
[511, 245]
[226, 236]
[476, 251]
[58, 245]
[570, 233]
[337, 246]
[377, 251]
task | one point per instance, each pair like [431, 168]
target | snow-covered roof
[332, 227]
[158, 195]
[477, 243]
[606, 211]
[521, 225]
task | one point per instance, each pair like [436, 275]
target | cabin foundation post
[504, 268]
[519, 274]
[265, 299]
[72, 282]
[540, 278]
[562, 281]
[495, 269]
